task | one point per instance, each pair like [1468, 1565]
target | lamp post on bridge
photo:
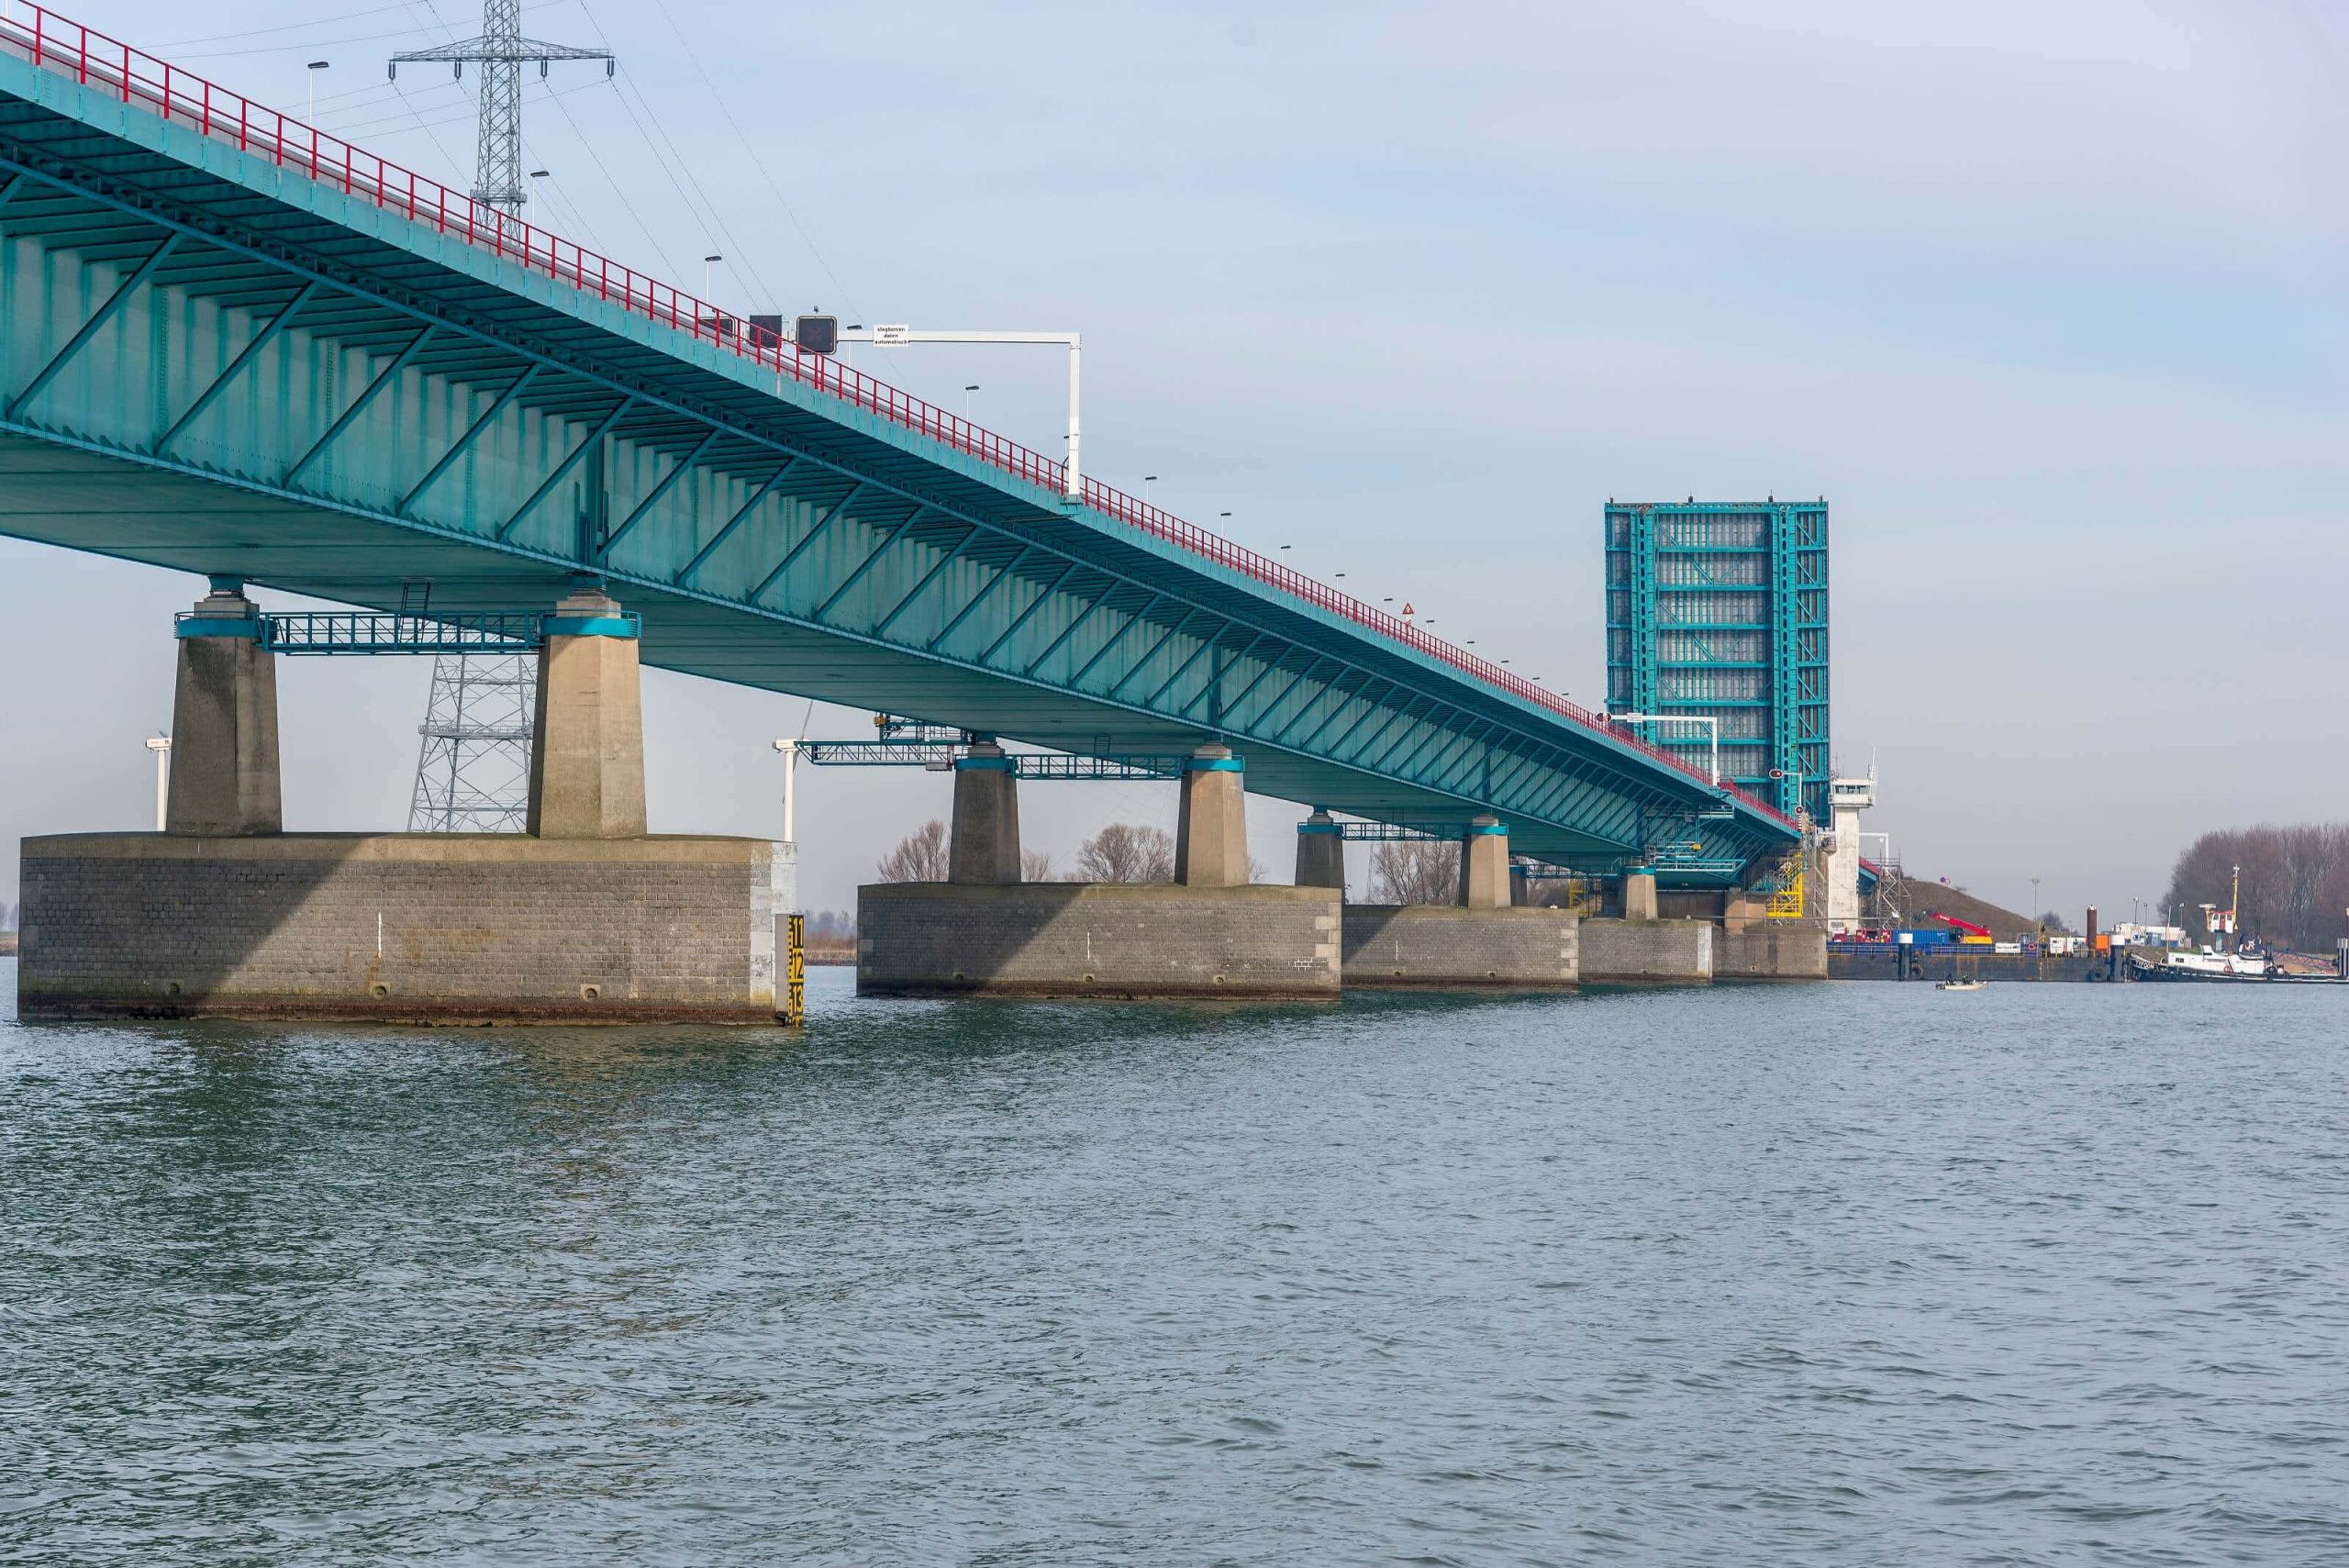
[310, 74]
[898, 336]
[1712, 727]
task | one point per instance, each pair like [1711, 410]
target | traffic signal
[818, 334]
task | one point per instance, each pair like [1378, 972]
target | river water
[1844, 1274]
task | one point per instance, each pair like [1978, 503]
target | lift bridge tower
[472, 772]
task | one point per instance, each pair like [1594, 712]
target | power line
[298, 44]
[716, 219]
[630, 206]
[773, 186]
[286, 28]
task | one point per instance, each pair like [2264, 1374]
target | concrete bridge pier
[1211, 825]
[1484, 941]
[588, 746]
[224, 776]
[586, 919]
[1210, 934]
[1320, 853]
[1639, 894]
[1484, 865]
[983, 849]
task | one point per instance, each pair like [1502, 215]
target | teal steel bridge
[238, 346]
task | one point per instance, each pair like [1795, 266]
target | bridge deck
[238, 346]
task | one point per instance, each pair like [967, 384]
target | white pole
[162, 746]
[790, 749]
[1075, 482]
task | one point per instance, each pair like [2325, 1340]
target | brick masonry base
[1648, 952]
[1770, 950]
[1098, 940]
[1440, 948]
[427, 928]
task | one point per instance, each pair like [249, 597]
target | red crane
[1968, 926]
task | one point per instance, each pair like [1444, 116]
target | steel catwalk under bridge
[236, 345]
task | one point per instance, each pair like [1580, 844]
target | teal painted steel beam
[652, 498]
[359, 406]
[1137, 666]
[888, 540]
[571, 460]
[970, 604]
[462, 444]
[757, 499]
[805, 541]
[880, 627]
[115, 302]
[1076, 679]
[253, 347]
[1324, 693]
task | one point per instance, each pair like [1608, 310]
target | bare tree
[2295, 883]
[921, 856]
[1414, 870]
[1035, 865]
[1124, 853]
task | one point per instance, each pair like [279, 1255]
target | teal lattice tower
[1718, 609]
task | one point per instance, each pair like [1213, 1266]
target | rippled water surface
[1852, 1274]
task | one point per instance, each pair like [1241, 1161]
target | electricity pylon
[500, 51]
[472, 772]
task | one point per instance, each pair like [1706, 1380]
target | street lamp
[1146, 480]
[967, 400]
[1712, 728]
[1802, 811]
[162, 746]
[310, 74]
[536, 175]
[2034, 901]
[707, 262]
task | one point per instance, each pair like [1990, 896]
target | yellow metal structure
[793, 1011]
[1785, 890]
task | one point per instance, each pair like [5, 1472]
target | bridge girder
[243, 384]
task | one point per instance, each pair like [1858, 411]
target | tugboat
[2224, 966]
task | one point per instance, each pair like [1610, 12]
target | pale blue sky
[2046, 300]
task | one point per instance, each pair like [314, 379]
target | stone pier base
[400, 927]
[1098, 940]
[1648, 952]
[1448, 948]
[1771, 950]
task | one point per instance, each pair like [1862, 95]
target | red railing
[90, 58]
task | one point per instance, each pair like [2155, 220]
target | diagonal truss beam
[1623, 781]
[871, 559]
[652, 498]
[882, 626]
[134, 280]
[473, 433]
[736, 521]
[245, 356]
[809, 538]
[383, 379]
[978, 598]
[562, 470]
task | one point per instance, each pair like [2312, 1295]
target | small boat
[1961, 985]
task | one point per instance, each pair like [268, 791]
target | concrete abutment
[588, 919]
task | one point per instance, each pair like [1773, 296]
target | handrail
[57, 43]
